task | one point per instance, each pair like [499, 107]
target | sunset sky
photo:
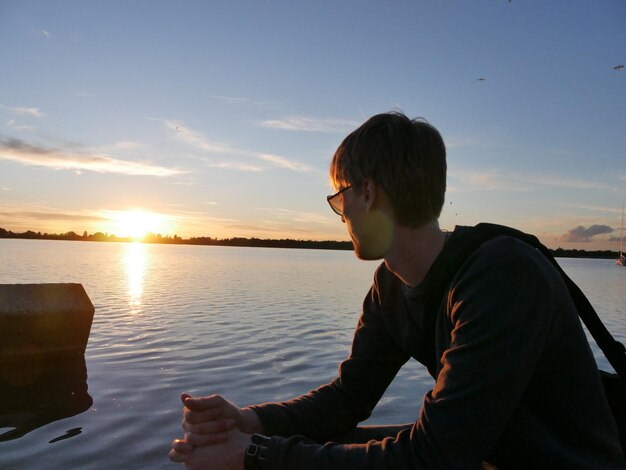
[219, 118]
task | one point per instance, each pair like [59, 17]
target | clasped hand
[216, 434]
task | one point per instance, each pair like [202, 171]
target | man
[516, 385]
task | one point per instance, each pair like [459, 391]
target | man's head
[406, 158]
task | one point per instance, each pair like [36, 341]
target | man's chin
[367, 255]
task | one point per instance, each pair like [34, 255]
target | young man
[516, 385]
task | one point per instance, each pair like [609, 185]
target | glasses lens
[336, 202]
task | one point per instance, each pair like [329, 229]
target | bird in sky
[481, 79]
[618, 67]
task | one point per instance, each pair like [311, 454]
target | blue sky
[220, 118]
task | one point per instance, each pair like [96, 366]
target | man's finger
[203, 403]
[209, 427]
[195, 417]
[184, 396]
[182, 446]
[206, 439]
[176, 456]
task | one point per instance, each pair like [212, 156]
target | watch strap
[256, 452]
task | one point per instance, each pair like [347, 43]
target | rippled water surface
[254, 324]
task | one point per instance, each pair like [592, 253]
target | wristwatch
[256, 452]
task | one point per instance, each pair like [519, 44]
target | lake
[255, 324]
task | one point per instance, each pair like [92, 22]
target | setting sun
[137, 224]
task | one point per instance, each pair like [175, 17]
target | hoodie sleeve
[335, 409]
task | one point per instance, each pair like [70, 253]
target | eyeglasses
[336, 201]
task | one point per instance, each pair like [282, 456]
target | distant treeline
[254, 242]
[158, 238]
[562, 253]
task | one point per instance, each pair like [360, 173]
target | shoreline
[249, 242]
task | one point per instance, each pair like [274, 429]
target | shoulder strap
[464, 241]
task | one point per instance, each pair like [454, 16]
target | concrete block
[39, 320]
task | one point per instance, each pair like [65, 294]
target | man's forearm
[251, 422]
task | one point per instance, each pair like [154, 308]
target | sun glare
[137, 224]
[135, 259]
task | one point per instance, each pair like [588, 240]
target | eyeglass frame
[333, 196]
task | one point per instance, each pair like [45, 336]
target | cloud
[26, 154]
[496, 179]
[285, 163]
[232, 99]
[13, 125]
[592, 208]
[202, 142]
[570, 183]
[123, 145]
[256, 229]
[582, 234]
[240, 101]
[488, 180]
[235, 166]
[301, 217]
[34, 112]
[304, 124]
[51, 215]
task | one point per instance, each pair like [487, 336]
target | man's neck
[413, 252]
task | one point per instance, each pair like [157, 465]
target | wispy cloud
[285, 163]
[51, 215]
[19, 127]
[593, 208]
[280, 229]
[487, 180]
[584, 234]
[306, 124]
[201, 141]
[218, 149]
[235, 166]
[232, 99]
[571, 183]
[22, 111]
[240, 101]
[255, 229]
[121, 145]
[499, 180]
[300, 217]
[26, 154]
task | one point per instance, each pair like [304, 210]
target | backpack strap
[463, 242]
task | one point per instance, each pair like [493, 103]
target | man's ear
[370, 193]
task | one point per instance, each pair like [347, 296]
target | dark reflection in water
[42, 390]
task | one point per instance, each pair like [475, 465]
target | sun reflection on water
[135, 260]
